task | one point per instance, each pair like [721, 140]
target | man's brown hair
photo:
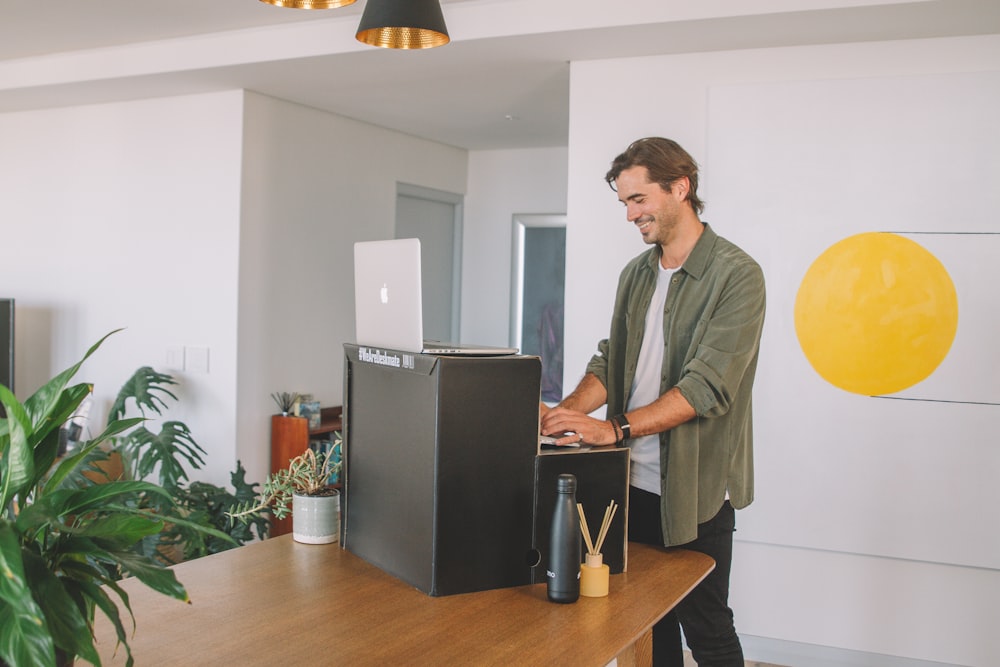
[665, 161]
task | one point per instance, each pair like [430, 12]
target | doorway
[435, 217]
[538, 293]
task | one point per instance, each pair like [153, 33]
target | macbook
[388, 301]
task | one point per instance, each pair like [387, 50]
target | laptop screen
[387, 296]
[388, 310]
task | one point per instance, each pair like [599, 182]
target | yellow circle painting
[876, 313]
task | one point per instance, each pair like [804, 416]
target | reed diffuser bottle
[563, 572]
[594, 573]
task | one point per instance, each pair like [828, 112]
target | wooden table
[278, 602]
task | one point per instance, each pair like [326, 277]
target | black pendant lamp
[403, 24]
[310, 4]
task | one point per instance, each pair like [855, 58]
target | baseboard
[796, 654]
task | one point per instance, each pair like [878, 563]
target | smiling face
[657, 213]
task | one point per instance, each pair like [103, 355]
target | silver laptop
[388, 304]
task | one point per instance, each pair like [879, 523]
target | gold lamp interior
[310, 4]
[403, 24]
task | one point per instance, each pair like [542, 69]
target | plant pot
[316, 519]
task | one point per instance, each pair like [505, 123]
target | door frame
[521, 222]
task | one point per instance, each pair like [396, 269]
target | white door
[434, 217]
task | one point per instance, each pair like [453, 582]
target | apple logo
[384, 293]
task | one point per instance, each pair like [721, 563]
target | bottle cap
[566, 483]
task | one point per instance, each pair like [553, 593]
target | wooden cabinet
[290, 436]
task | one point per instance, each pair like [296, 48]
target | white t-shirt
[646, 388]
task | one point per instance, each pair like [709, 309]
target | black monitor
[6, 345]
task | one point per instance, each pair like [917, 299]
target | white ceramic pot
[316, 519]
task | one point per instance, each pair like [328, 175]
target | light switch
[196, 359]
[175, 357]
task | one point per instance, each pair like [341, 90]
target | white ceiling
[503, 81]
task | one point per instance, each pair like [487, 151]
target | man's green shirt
[712, 322]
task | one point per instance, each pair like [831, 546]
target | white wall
[313, 184]
[234, 233]
[130, 215]
[896, 606]
[202, 234]
[127, 215]
[502, 184]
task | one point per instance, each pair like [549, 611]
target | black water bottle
[563, 573]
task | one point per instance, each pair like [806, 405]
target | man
[676, 373]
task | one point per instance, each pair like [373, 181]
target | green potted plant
[305, 488]
[166, 456]
[66, 541]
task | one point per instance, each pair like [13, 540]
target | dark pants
[704, 614]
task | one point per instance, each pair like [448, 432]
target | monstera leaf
[146, 388]
[164, 450]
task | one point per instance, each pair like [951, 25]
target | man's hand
[571, 426]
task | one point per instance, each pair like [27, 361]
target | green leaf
[67, 622]
[155, 576]
[49, 509]
[18, 457]
[164, 451]
[123, 529]
[42, 404]
[84, 561]
[45, 452]
[24, 639]
[12, 586]
[145, 387]
[66, 403]
[200, 527]
[24, 635]
[70, 463]
[44, 412]
[43, 438]
[104, 602]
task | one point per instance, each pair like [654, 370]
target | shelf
[331, 419]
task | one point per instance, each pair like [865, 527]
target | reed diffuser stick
[585, 529]
[609, 516]
[594, 548]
